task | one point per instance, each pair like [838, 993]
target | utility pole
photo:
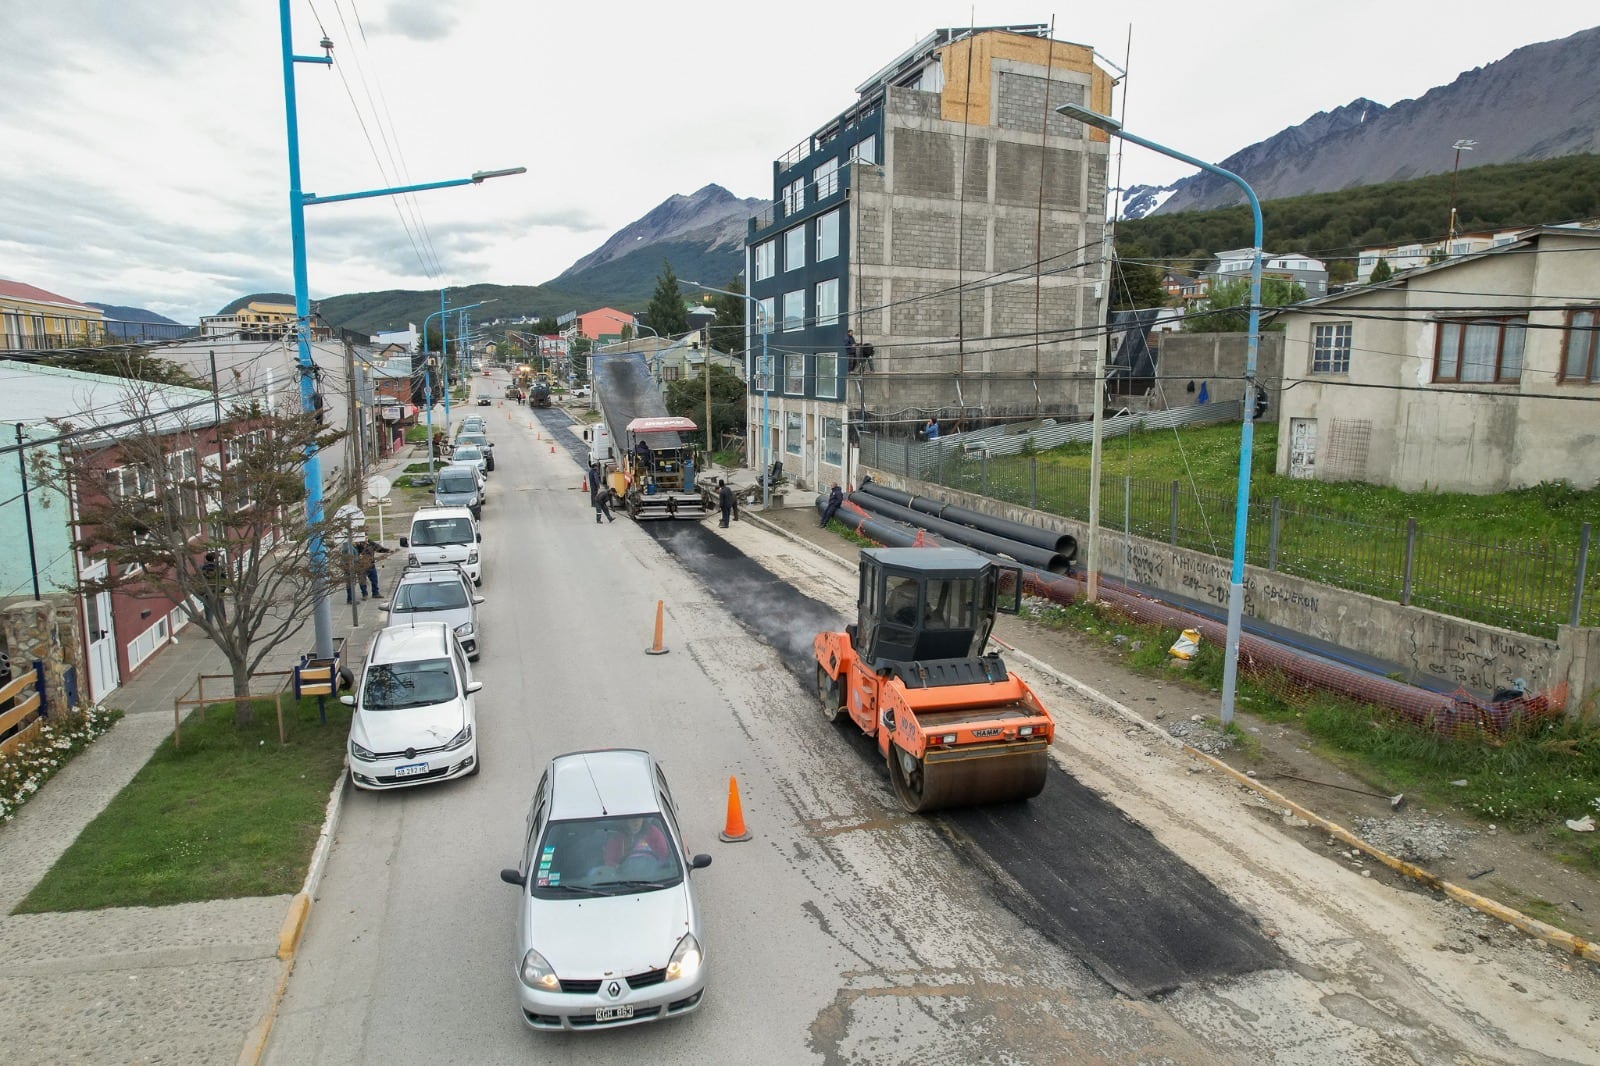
[358, 474]
[705, 358]
[1463, 145]
[1102, 349]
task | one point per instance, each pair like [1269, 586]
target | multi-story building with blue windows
[952, 220]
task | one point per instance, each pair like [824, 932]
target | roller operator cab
[955, 726]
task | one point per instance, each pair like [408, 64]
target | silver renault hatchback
[608, 932]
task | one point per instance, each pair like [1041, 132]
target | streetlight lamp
[1463, 145]
[427, 376]
[322, 614]
[1230, 669]
[766, 386]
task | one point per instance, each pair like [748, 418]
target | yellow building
[257, 321]
[37, 320]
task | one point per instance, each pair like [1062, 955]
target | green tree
[1135, 284]
[727, 329]
[665, 310]
[1228, 305]
[1381, 272]
[686, 398]
[1341, 271]
[116, 361]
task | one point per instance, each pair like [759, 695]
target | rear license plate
[411, 769]
[612, 1014]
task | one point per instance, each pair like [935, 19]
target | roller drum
[966, 779]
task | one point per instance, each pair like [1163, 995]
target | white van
[445, 535]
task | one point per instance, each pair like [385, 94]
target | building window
[794, 248]
[1480, 350]
[794, 374]
[827, 235]
[671, 373]
[1330, 348]
[866, 150]
[1580, 359]
[794, 196]
[766, 315]
[826, 179]
[827, 302]
[794, 310]
[832, 441]
[764, 380]
[766, 260]
[828, 375]
[793, 431]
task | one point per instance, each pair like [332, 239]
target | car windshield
[430, 596]
[396, 686]
[613, 856]
[467, 453]
[433, 532]
[457, 483]
[476, 440]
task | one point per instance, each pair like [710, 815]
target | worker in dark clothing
[835, 501]
[726, 502]
[647, 459]
[215, 580]
[602, 502]
[367, 553]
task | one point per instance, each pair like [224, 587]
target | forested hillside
[1335, 226]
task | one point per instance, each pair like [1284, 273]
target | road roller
[955, 726]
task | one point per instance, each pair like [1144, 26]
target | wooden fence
[22, 718]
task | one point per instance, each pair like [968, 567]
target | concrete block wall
[1477, 657]
[1021, 101]
[1218, 360]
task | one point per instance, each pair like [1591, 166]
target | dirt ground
[1513, 868]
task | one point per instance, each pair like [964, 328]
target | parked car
[445, 535]
[415, 720]
[484, 401]
[438, 593]
[477, 439]
[608, 931]
[459, 485]
[473, 422]
[470, 454]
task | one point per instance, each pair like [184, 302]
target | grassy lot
[231, 814]
[1532, 782]
[1507, 559]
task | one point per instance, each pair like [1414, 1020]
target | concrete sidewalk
[174, 984]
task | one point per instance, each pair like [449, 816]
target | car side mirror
[699, 862]
[404, 543]
[384, 607]
[475, 601]
[480, 538]
[347, 700]
[512, 877]
[473, 686]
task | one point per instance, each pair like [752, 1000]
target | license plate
[611, 1014]
[411, 769]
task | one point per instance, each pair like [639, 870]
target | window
[828, 375]
[184, 481]
[1330, 348]
[1480, 350]
[827, 235]
[866, 150]
[794, 196]
[793, 431]
[794, 374]
[827, 302]
[764, 374]
[794, 310]
[671, 373]
[826, 179]
[125, 481]
[1580, 359]
[766, 260]
[832, 441]
[766, 314]
[794, 248]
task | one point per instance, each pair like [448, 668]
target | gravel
[1414, 839]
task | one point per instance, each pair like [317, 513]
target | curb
[1571, 943]
[294, 923]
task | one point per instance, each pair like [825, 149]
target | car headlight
[361, 753]
[536, 973]
[412, 560]
[472, 556]
[685, 960]
[466, 629]
[459, 739]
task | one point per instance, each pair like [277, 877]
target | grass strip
[232, 813]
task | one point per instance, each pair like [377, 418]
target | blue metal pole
[322, 612]
[444, 359]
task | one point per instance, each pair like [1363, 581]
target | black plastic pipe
[1063, 544]
[1027, 554]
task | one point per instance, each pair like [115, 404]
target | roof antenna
[595, 785]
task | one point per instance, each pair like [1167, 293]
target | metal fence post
[1033, 482]
[983, 473]
[1272, 536]
[1411, 556]
[1583, 573]
[1127, 524]
[1172, 537]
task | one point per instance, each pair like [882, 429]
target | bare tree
[203, 507]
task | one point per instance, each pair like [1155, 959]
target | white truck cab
[598, 438]
[445, 535]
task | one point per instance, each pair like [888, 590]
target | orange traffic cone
[552, 449]
[585, 486]
[657, 648]
[735, 830]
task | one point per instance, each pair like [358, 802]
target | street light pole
[1241, 518]
[1463, 145]
[444, 351]
[766, 388]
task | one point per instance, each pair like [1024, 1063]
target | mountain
[1540, 102]
[118, 313]
[712, 218]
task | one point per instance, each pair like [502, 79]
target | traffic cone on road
[585, 486]
[656, 647]
[734, 831]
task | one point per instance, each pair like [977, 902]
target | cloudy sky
[145, 158]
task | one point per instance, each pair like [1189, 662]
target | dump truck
[539, 393]
[656, 480]
[954, 725]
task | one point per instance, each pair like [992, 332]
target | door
[1303, 448]
[103, 678]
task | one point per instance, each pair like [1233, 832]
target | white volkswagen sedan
[415, 719]
[608, 933]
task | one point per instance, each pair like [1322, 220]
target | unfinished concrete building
[952, 220]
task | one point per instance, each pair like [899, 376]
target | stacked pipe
[1062, 544]
[1046, 559]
